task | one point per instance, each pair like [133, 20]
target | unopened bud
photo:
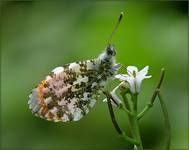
[124, 87]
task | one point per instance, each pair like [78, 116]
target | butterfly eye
[110, 50]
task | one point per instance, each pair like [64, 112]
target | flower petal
[131, 69]
[138, 83]
[131, 81]
[146, 77]
[140, 77]
[122, 77]
[144, 71]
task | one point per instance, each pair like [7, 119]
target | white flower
[134, 78]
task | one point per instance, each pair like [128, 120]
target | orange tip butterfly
[70, 91]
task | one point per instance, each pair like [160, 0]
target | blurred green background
[37, 36]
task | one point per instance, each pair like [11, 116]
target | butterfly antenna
[115, 28]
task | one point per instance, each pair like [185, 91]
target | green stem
[142, 113]
[128, 107]
[116, 126]
[134, 123]
[155, 93]
[167, 122]
[129, 139]
[126, 101]
[125, 109]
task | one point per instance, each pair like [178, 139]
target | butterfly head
[110, 50]
[108, 55]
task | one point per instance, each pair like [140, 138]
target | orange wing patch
[41, 87]
[40, 91]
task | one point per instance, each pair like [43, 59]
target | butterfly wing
[67, 94]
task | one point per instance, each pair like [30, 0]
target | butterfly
[70, 91]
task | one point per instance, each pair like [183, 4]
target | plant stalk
[167, 122]
[155, 93]
[116, 126]
[135, 124]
